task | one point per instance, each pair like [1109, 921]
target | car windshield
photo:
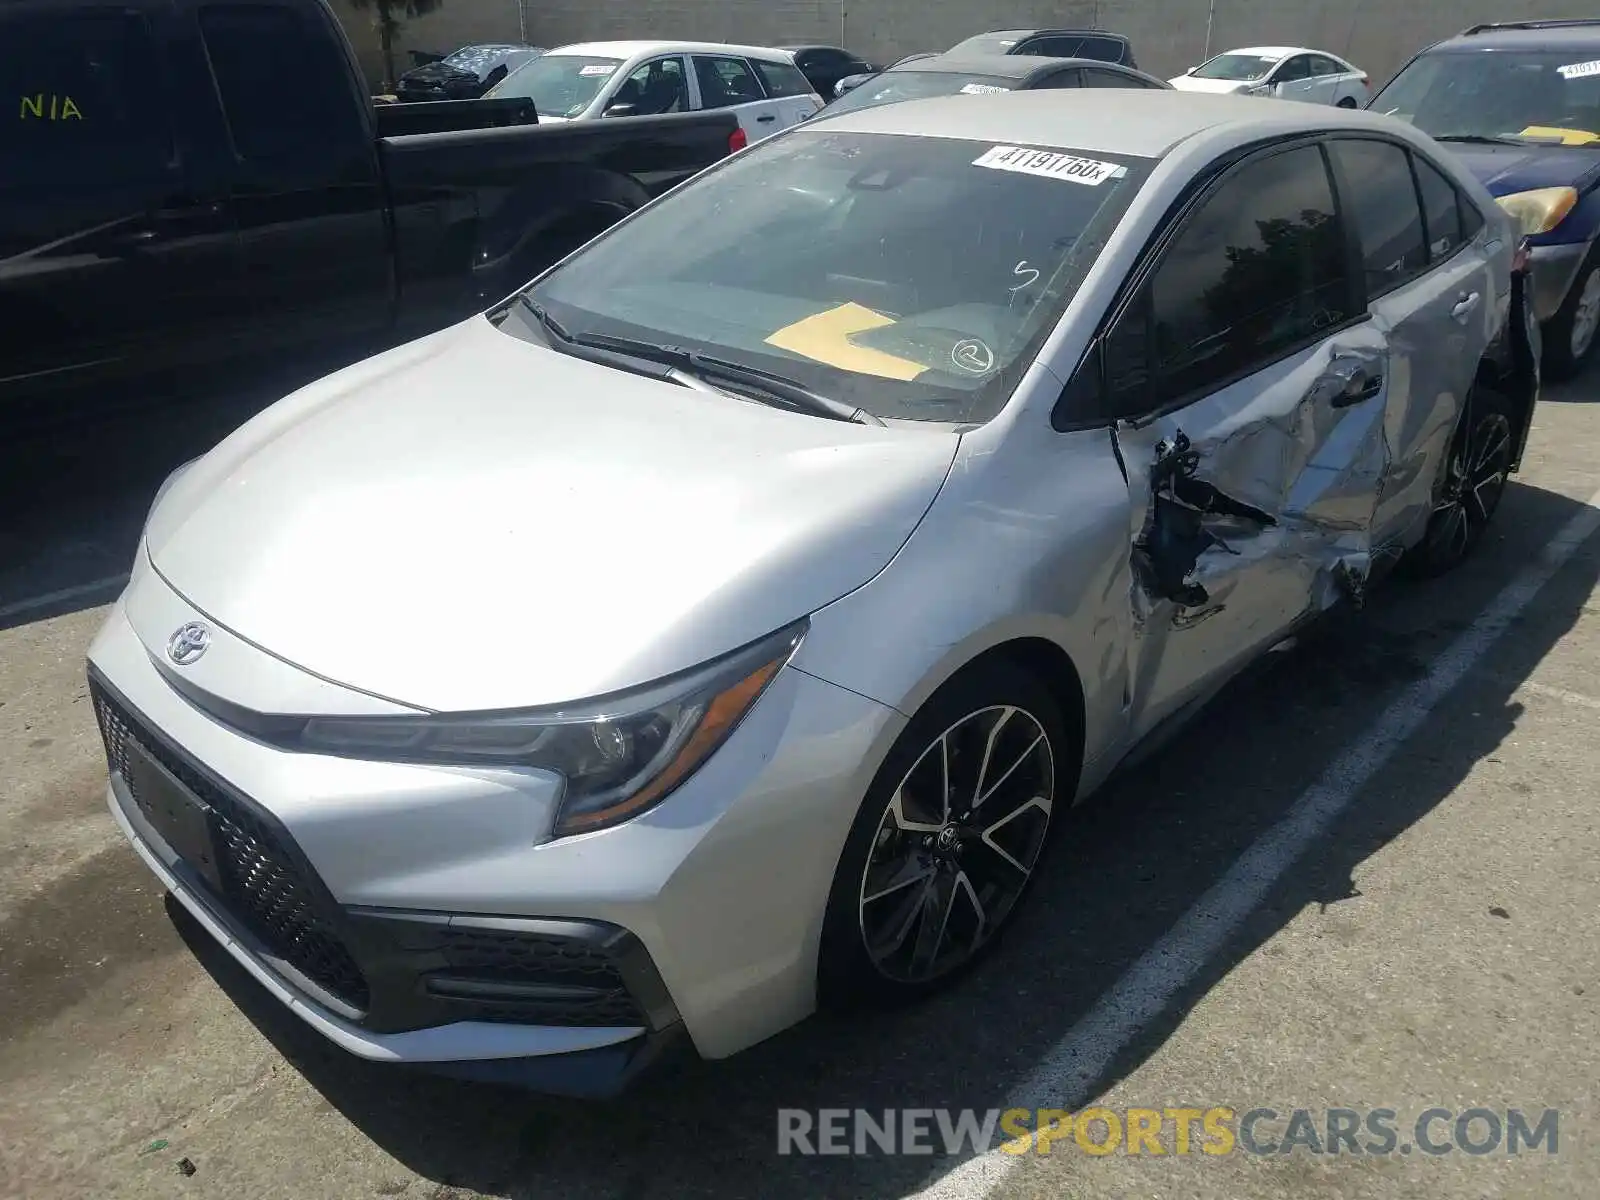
[560, 85]
[999, 42]
[917, 85]
[1545, 95]
[1237, 67]
[912, 277]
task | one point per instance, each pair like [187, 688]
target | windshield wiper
[1477, 139]
[708, 368]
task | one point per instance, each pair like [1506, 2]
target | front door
[1294, 81]
[107, 254]
[1255, 391]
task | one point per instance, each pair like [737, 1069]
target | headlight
[618, 755]
[1540, 210]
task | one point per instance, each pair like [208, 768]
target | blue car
[1519, 104]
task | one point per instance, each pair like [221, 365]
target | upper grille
[264, 887]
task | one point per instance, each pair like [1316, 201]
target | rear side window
[1109, 79]
[1256, 272]
[1051, 47]
[783, 80]
[1321, 65]
[1102, 49]
[1441, 211]
[83, 97]
[284, 89]
[1381, 203]
[725, 81]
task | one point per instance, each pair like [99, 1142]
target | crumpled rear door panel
[1252, 509]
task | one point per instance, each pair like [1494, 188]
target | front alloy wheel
[1475, 480]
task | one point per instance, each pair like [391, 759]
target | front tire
[948, 839]
[1569, 336]
[1475, 476]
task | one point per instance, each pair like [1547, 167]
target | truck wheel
[947, 840]
[1569, 336]
[1475, 474]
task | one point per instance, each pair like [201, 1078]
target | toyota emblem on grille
[189, 643]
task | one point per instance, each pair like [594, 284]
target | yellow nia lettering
[69, 110]
[35, 105]
[54, 100]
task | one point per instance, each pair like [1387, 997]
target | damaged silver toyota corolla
[724, 622]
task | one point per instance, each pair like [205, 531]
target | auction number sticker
[1579, 70]
[595, 69]
[1049, 165]
[981, 89]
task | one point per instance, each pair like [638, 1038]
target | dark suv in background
[1098, 44]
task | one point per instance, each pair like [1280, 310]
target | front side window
[725, 82]
[84, 102]
[1510, 95]
[654, 88]
[893, 86]
[1237, 68]
[913, 277]
[250, 46]
[1256, 272]
[1295, 69]
[1381, 202]
[560, 85]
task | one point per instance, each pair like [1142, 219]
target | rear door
[1252, 389]
[729, 81]
[1326, 76]
[303, 179]
[1430, 291]
[107, 253]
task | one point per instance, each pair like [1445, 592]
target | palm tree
[387, 18]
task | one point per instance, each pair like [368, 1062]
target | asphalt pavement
[1366, 880]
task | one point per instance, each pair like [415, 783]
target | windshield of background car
[1237, 67]
[917, 85]
[560, 85]
[914, 277]
[1544, 95]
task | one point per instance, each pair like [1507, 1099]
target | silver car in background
[723, 625]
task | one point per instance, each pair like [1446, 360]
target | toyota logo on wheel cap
[188, 643]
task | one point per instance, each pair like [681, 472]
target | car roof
[1009, 66]
[1048, 29]
[634, 49]
[798, 47]
[1525, 35]
[1144, 124]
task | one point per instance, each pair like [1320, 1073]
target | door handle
[768, 117]
[1464, 306]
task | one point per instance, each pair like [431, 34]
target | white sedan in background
[1283, 72]
[637, 79]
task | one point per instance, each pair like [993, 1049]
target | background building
[1168, 35]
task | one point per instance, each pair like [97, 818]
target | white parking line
[56, 597]
[1065, 1078]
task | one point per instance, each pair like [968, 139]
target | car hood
[1507, 169]
[474, 522]
[1188, 83]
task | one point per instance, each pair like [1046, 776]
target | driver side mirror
[619, 110]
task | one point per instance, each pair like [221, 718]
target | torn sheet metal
[1258, 511]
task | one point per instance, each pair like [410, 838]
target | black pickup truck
[165, 199]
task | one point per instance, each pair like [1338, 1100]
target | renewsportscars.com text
[1214, 1131]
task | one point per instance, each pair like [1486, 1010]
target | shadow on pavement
[1128, 864]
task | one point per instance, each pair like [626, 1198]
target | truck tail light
[737, 140]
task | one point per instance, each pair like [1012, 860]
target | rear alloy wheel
[1474, 481]
[1570, 335]
[947, 841]
[1348, 102]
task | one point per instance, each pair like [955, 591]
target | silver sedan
[725, 624]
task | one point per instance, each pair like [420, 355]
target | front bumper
[1554, 269]
[413, 914]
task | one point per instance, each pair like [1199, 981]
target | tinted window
[1058, 79]
[1381, 203]
[83, 94]
[1298, 67]
[1102, 49]
[1440, 210]
[1108, 79]
[654, 88]
[1255, 272]
[256, 50]
[725, 81]
[853, 264]
[1322, 65]
[1051, 47]
[783, 80]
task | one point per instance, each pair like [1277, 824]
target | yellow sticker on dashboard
[824, 337]
[1569, 137]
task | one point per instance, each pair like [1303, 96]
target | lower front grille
[532, 978]
[265, 884]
